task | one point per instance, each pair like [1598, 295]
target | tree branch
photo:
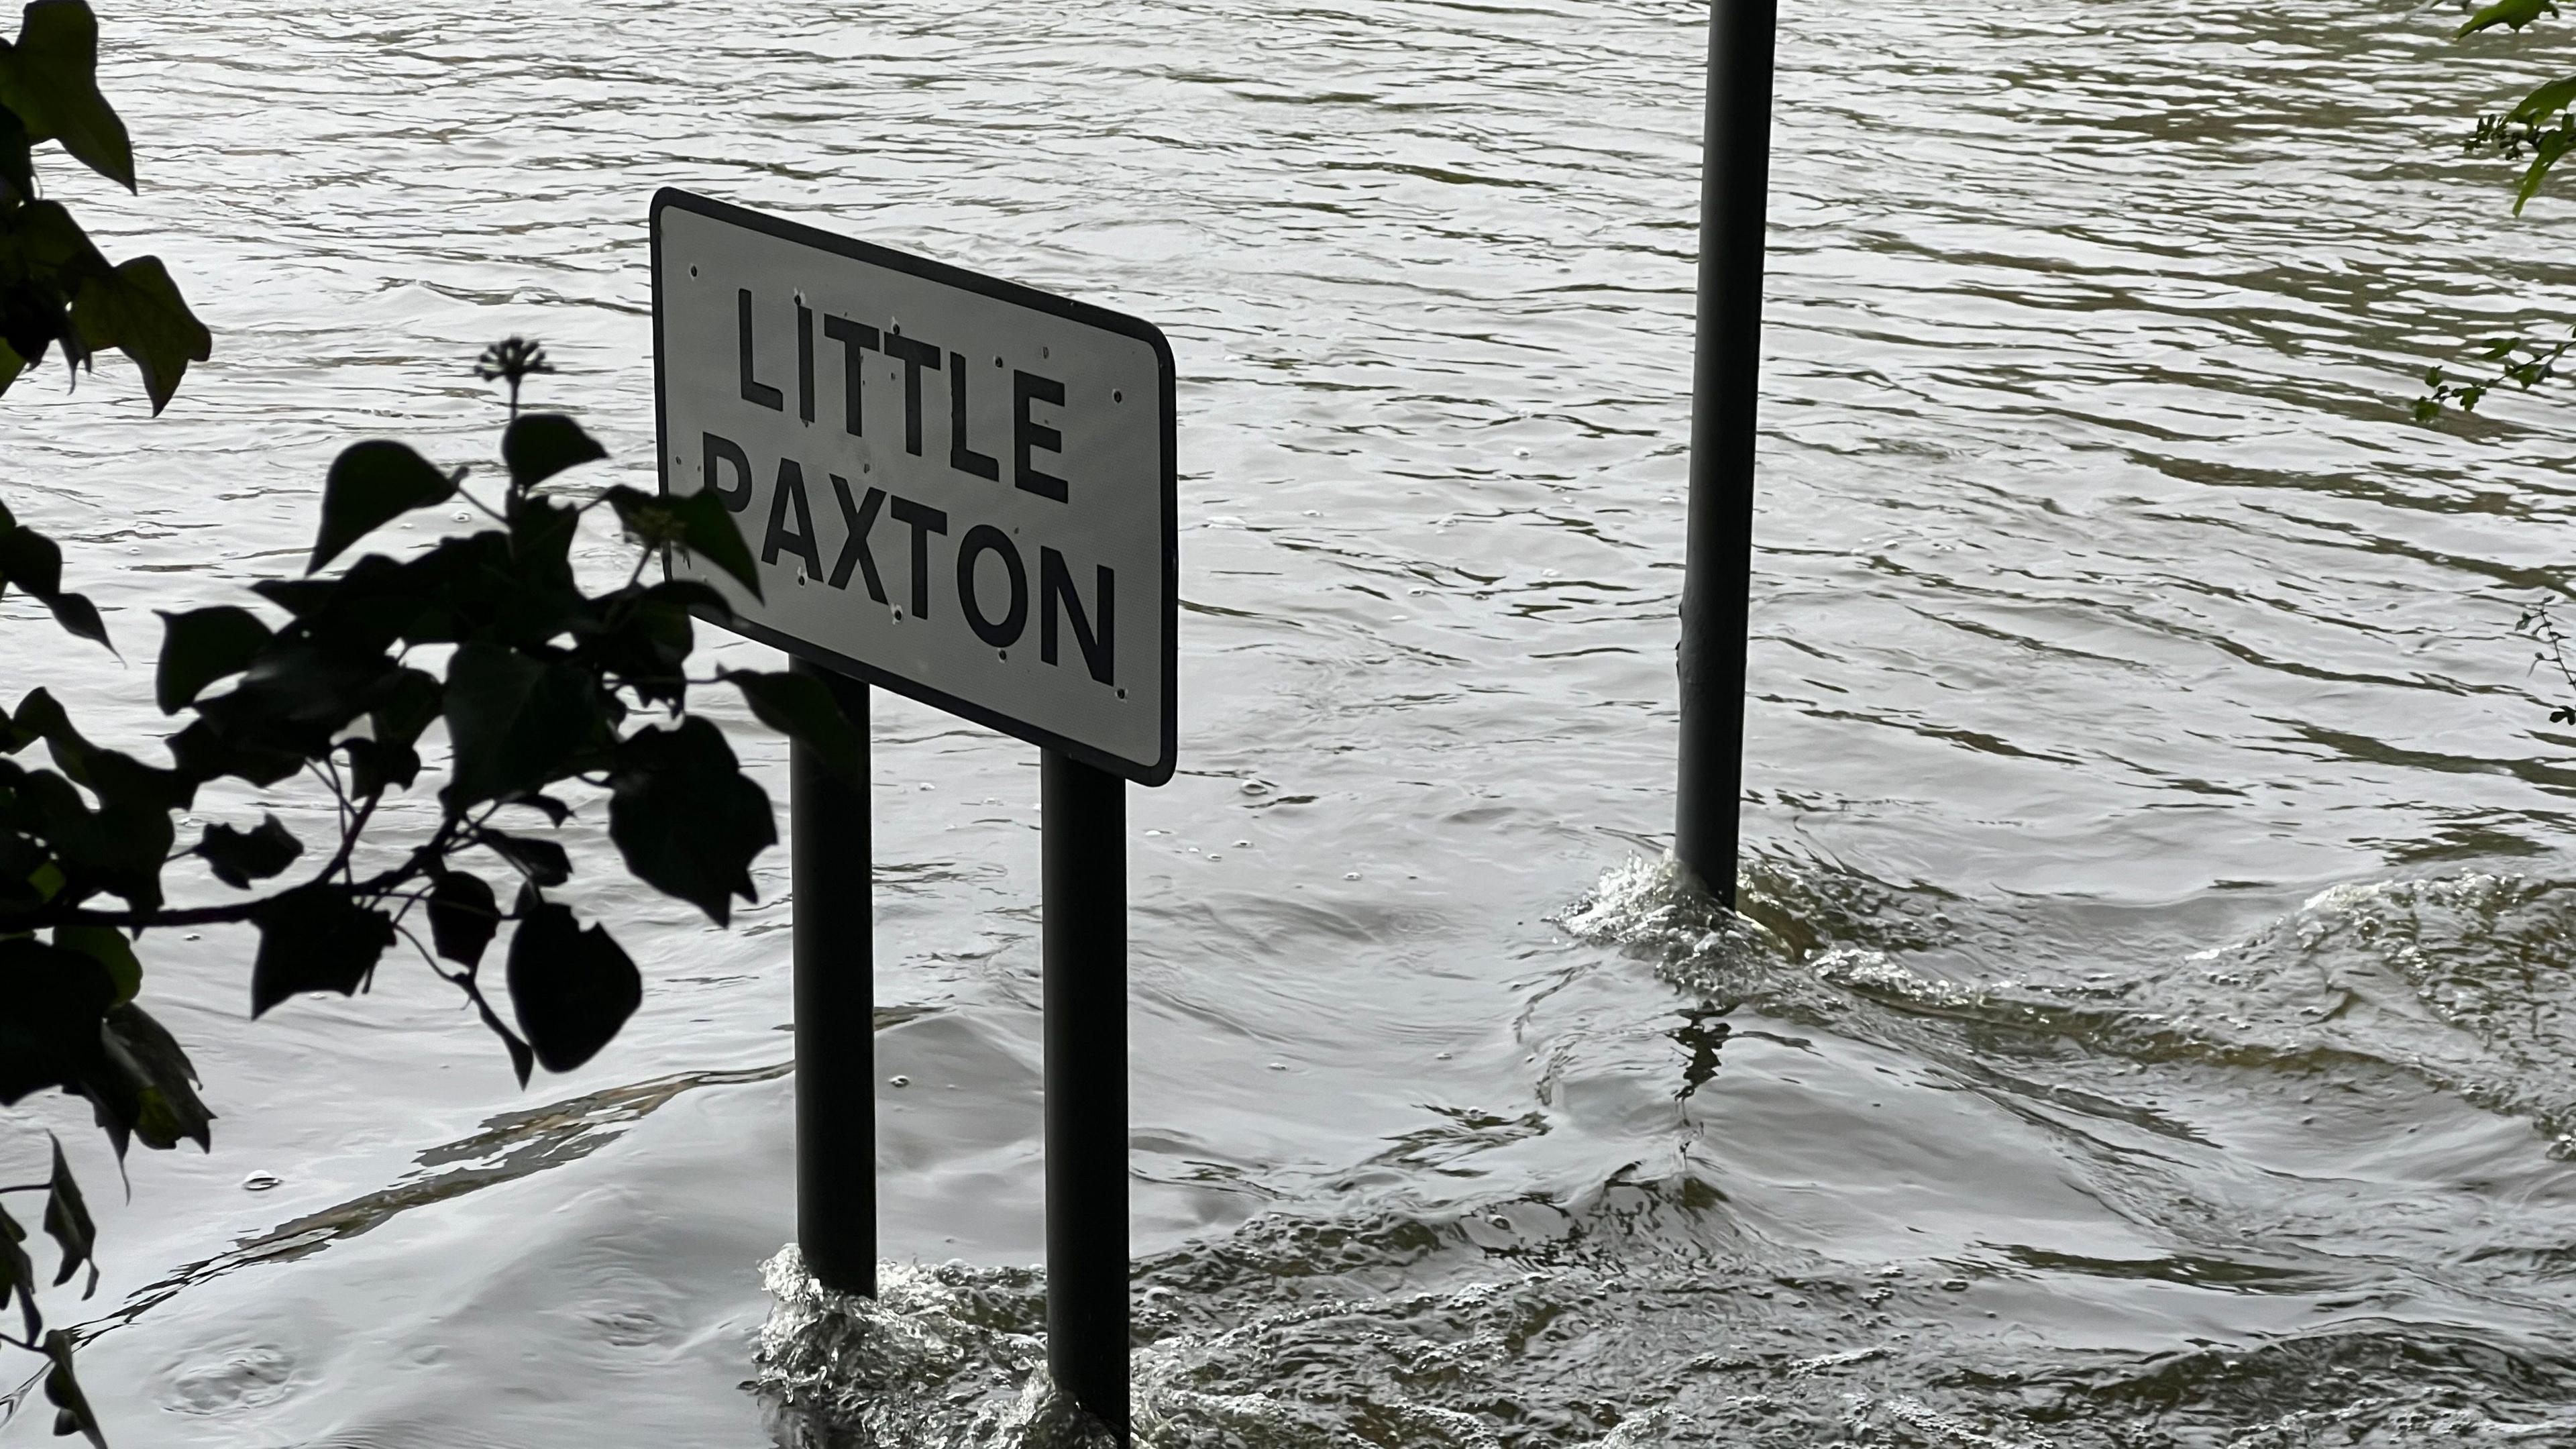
[236, 912]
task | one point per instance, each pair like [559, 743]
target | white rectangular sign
[956, 487]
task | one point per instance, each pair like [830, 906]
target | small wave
[1388, 1343]
[943, 1355]
[954, 1357]
[1661, 905]
[2466, 982]
[1789, 913]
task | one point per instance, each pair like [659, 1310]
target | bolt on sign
[956, 487]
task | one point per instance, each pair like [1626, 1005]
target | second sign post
[962, 490]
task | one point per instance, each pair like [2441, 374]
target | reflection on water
[2150, 1021]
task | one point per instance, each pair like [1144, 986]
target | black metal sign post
[1084, 813]
[1717, 582]
[965, 491]
[835, 950]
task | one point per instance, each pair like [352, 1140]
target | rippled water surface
[2152, 1022]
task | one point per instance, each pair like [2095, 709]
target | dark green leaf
[463, 916]
[239, 857]
[127, 784]
[11, 364]
[51, 1003]
[22, 859]
[642, 642]
[540, 445]
[71, 1409]
[67, 1222]
[707, 530]
[697, 522]
[118, 779]
[315, 938]
[137, 310]
[685, 818]
[49, 238]
[18, 1273]
[200, 647]
[2545, 101]
[205, 753]
[79, 618]
[303, 598]
[406, 705]
[646, 517]
[107, 946]
[40, 716]
[801, 707]
[146, 1086]
[118, 848]
[372, 484]
[31, 561]
[2513, 13]
[514, 722]
[17, 174]
[570, 988]
[541, 535]
[375, 767]
[51, 81]
[2545, 154]
[34, 563]
[691, 595]
[543, 862]
[308, 691]
[555, 811]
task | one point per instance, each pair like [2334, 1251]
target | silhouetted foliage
[2542, 127]
[484, 642]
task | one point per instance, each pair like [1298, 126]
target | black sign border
[1017, 295]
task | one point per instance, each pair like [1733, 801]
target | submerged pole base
[1084, 811]
[835, 951]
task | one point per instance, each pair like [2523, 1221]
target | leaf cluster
[2521, 362]
[543, 684]
[347, 677]
[477, 674]
[2541, 626]
[2541, 126]
[57, 290]
[67, 1222]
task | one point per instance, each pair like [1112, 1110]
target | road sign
[997, 541]
[956, 487]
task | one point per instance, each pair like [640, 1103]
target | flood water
[2153, 1023]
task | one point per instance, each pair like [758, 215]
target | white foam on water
[1946, 1429]
[1660, 906]
[951, 1357]
[941, 1359]
[913, 1365]
[2373, 1422]
[1874, 973]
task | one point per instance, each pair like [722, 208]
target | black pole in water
[1735, 174]
[1084, 821]
[835, 950]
